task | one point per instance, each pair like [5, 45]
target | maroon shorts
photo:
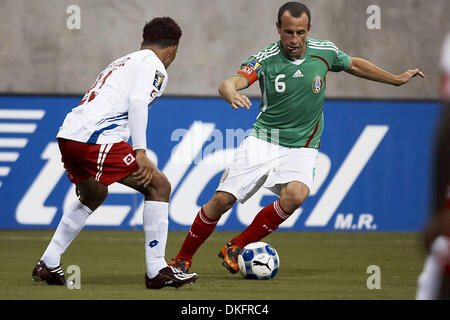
[106, 163]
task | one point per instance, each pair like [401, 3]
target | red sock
[200, 230]
[266, 221]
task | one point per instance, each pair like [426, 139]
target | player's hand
[408, 74]
[240, 101]
[143, 175]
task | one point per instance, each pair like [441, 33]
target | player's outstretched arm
[228, 90]
[367, 70]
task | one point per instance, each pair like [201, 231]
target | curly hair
[162, 31]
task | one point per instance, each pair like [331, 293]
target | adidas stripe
[263, 55]
[325, 48]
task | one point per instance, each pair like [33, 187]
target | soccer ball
[258, 260]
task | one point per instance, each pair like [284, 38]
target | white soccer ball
[258, 260]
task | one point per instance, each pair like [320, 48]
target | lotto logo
[129, 159]
[153, 243]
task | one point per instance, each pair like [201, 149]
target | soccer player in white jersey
[434, 281]
[93, 143]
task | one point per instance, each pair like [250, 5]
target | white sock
[431, 277]
[156, 224]
[72, 221]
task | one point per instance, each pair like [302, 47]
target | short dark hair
[296, 9]
[162, 31]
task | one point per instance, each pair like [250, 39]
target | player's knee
[222, 202]
[294, 198]
[159, 189]
[164, 189]
[93, 200]
[299, 199]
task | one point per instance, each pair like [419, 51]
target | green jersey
[291, 108]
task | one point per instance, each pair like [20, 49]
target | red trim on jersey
[249, 74]
[104, 79]
[328, 66]
[312, 136]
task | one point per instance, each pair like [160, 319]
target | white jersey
[102, 116]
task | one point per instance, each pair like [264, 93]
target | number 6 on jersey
[280, 86]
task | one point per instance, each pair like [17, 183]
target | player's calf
[220, 203]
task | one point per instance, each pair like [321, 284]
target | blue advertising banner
[374, 166]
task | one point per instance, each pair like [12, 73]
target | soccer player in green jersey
[281, 151]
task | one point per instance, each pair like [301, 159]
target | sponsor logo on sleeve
[255, 66]
[159, 79]
[251, 71]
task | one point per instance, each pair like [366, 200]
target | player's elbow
[353, 67]
[223, 88]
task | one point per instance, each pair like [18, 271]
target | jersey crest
[225, 175]
[317, 84]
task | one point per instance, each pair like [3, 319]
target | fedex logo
[15, 128]
[370, 174]
[183, 206]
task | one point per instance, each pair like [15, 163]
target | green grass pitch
[313, 265]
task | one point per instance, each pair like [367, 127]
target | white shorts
[258, 163]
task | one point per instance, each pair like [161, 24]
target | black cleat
[53, 276]
[170, 277]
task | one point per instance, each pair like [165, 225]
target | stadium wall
[373, 169]
[41, 54]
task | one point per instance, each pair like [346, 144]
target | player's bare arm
[228, 90]
[364, 69]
